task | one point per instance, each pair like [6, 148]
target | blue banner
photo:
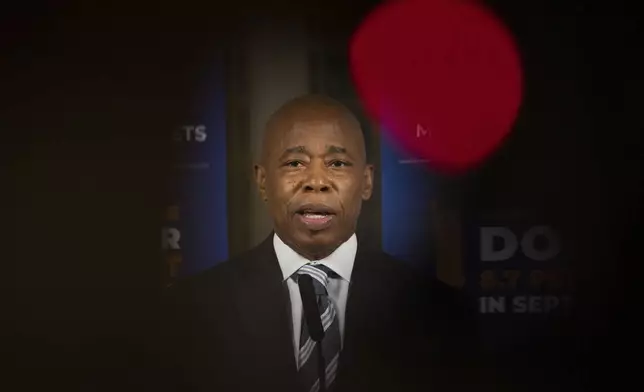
[196, 233]
[407, 193]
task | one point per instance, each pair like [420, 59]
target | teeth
[315, 216]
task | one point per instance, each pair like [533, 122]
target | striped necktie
[308, 359]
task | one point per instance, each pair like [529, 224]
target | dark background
[86, 89]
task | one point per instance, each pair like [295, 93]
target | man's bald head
[311, 108]
[313, 174]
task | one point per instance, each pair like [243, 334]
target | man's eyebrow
[292, 150]
[296, 149]
[302, 150]
[336, 150]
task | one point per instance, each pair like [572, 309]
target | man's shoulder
[410, 273]
[424, 286]
[216, 279]
[444, 308]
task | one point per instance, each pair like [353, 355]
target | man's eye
[293, 163]
[339, 164]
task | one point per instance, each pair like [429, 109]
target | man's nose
[317, 179]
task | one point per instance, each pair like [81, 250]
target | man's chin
[316, 237]
[317, 242]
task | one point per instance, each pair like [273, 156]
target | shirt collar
[340, 261]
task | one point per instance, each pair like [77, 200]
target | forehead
[317, 133]
[314, 130]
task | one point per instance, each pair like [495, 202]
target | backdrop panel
[407, 194]
[517, 272]
[196, 235]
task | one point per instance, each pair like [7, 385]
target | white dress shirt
[340, 261]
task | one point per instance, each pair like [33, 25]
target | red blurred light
[443, 77]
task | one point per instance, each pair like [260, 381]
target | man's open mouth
[315, 211]
[310, 215]
[315, 216]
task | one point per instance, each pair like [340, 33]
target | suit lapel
[372, 330]
[365, 292]
[264, 307]
[369, 286]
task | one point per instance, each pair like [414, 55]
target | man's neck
[314, 253]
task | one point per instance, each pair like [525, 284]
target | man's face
[314, 179]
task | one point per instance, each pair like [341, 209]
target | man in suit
[243, 325]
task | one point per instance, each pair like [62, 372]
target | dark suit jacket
[229, 329]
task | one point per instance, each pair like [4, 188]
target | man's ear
[367, 189]
[260, 179]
